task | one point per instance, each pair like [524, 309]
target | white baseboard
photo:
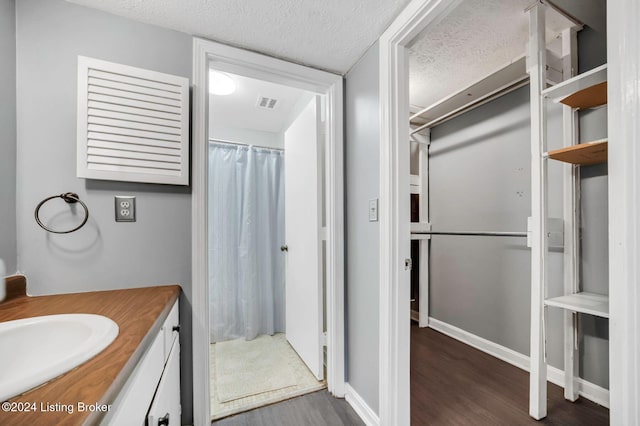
[368, 416]
[586, 389]
[498, 351]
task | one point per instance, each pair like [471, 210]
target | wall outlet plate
[125, 208]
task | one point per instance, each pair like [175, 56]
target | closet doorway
[272, 328]
[472, 157]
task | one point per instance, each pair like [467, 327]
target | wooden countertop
[138, 312]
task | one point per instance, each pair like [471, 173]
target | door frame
[623, 44]
[395, 234]
[255, 65]
[623, 69]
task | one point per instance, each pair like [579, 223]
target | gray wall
[594, 269]
[480, 180]
[479, 168]
[8, 134]
[104, 254]
[590, 12]
[363, 237]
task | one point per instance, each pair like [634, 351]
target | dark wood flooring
[455, 384]
[314, 409]
[451, 384]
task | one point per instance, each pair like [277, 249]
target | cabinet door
[130, 407]
[165, 408]
[170, 329]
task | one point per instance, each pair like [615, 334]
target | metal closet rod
[474, 233]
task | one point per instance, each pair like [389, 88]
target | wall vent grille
[133, 124]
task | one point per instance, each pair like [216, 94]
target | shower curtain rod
[229, 142]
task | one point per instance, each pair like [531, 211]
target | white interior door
[303, 201]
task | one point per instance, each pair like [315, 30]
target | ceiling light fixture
[220, 83]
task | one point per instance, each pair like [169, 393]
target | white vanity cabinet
[165, 408]
[151, 395]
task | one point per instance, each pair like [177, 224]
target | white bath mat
[285, 364]
[247, 368]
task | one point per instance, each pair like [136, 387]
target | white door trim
[623, 69]
[395, 207]
[255, 65]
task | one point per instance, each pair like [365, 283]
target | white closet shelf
[497, 81]
[586, 303]
[579, 83]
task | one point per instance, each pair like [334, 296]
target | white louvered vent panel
[132, 124]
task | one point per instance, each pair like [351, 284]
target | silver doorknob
[284, 248]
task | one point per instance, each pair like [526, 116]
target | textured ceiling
[476, 39]
[239, 109]
[326, 34]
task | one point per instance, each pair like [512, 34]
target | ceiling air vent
[266, 103]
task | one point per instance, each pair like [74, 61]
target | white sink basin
[36, 350]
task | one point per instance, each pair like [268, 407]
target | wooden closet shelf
[589, 97]
[583, 154]
[586, 87]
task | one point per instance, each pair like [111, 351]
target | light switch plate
[125, 208]
[373, 210]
